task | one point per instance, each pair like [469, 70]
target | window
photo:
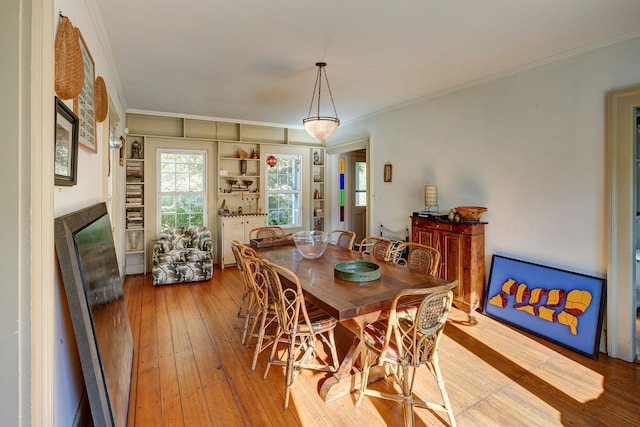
[284, 190]
[361, 184]
[182, 189]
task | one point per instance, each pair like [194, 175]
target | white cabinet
[235, 228]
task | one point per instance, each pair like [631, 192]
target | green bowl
[357, 271]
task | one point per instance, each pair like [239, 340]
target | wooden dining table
[353, 304]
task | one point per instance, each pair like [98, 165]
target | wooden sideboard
[461, 245]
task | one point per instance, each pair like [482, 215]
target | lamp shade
[431, 195]
[321, 127]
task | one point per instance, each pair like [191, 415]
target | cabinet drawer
[435, 225]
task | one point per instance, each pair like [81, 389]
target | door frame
[333, 154]
[621, 268]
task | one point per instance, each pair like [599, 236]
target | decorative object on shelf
[247, 182]
[232, 181]
[316, 158]
[134, 239]
[250, 201]
[243, 167]
[471, 213]
[430, 199]
[388, 171]
[321, 127]
[316, 194]
[66, 145]
[136, 150]
[83, 104]
[255, 155]
[242, 154]
[68, 57]
[272, 161]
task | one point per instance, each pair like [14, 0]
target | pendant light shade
[321, 127]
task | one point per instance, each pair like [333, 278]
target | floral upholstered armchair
[183, 254]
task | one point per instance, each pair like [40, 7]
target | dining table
[353, 304]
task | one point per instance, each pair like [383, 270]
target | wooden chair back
[422, 258]
[379, 247]
[342, 238]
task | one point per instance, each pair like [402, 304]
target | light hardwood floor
[190, 369]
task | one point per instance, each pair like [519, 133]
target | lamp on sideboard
[430, 199]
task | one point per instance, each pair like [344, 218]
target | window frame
[301, 161]
[204, 192]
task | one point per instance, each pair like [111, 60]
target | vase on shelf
[134, 239]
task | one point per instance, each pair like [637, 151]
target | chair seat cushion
[374, 334]
[320, 321]
[408, 311]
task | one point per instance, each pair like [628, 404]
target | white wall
[92, 172]
[529, 146]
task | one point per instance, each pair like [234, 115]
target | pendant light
[321, 127]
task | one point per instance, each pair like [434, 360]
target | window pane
[182, 189]
[284, 191]
[361, 184]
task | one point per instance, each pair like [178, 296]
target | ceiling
[253, 60]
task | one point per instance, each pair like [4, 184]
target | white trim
[39, 410]
[621, 325]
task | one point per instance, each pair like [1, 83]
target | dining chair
[378, 247]
[262, 313]
[245, 307]
[301, 326]
[266, 232]
[343, 238]
[402, 344]
[419, 257]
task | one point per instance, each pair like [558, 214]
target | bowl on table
[311, 244]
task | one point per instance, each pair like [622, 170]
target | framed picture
[65, 156]
[388, 172]
[83, 104]
[564, 307]
[93, 286]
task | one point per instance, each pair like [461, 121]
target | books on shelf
[134, 172]
[134, 218]
[133, 195]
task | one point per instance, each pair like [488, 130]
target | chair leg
[289, 373]
[260, 340]
[276, 340]
[247, 317]
[364, 378]
[443, 391]
[408, 377]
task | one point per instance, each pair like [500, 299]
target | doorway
[624, 222]
[356, 216]
[358, 194]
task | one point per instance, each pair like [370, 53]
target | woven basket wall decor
[69, 65]
[100, 99]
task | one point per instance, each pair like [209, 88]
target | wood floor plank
[171, 408]
[191, 369]
[148, 387]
